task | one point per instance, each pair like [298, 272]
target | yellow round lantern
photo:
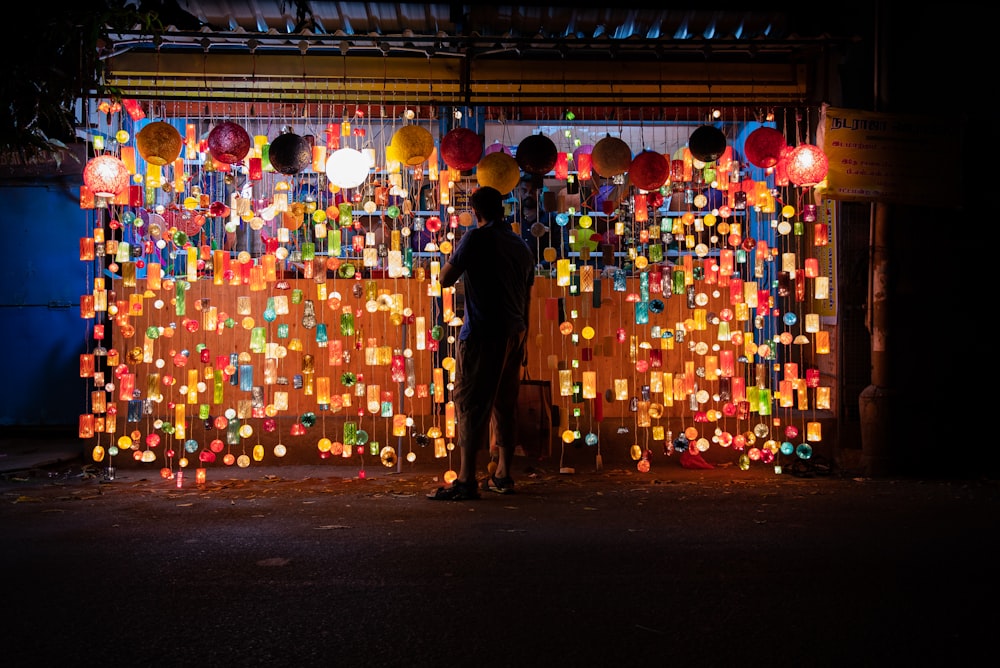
[498, 170]
[159, 143]
[412, 144]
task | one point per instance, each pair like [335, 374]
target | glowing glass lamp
[807, 165]
[106, 176]
[347, 168]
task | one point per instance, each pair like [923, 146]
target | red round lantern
[461, 148]
[763, 147]
[807, 165]
[649, 170]
[229, 143]
[707, 143]
[105, 175]
[536, 154]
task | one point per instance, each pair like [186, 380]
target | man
[498, 273]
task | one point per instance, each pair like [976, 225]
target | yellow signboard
[889, 158]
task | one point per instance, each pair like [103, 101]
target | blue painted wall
[41, 279]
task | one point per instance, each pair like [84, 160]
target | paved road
[609, 568]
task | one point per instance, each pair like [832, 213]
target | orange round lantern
[611, 156]
[159, 143]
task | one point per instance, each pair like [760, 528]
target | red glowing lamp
[807, 165]
[106, 176]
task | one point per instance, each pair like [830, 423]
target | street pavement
[317, 566]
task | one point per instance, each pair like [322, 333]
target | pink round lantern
[105, 176]
[229, 143]
[763, 147]
[461, 148]
[649, 170]
[807, 165]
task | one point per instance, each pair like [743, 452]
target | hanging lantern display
[289, 153]
[461, 148]
[707, 143]
[536, 154]
[611, 156]
[763, 147]
[413, 144]
[807, 165]
[159, 143]
[105, 175]
[228, 142]
[347, 168]
[649, 170]
[498, 170]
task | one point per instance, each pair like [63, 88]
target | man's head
[487, 203]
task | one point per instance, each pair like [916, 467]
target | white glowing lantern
[347, 168]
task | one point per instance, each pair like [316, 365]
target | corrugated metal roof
[476, 54]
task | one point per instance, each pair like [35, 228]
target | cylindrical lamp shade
[461, 148]
[807, 165]
[763, 147]
[413, 144]
[649, 170]
[228, 142]
[611, 156]
[159, 143]
[498, 170]
[290, 153]
[106, 176]
[707, 143]
[347, 168]
[536, 154]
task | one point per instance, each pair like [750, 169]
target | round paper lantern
[105, 175]
[159, 143]
[536, 154]
[611, 156]
[763, 147]
[413, 144]
[649, 170]
[461, 148]
[229, 143]
[498, 170]
[582, 148]
[290, 153]
[707, 143]
[347, 168]
[807, 165]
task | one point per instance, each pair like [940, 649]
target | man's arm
[449, 275]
